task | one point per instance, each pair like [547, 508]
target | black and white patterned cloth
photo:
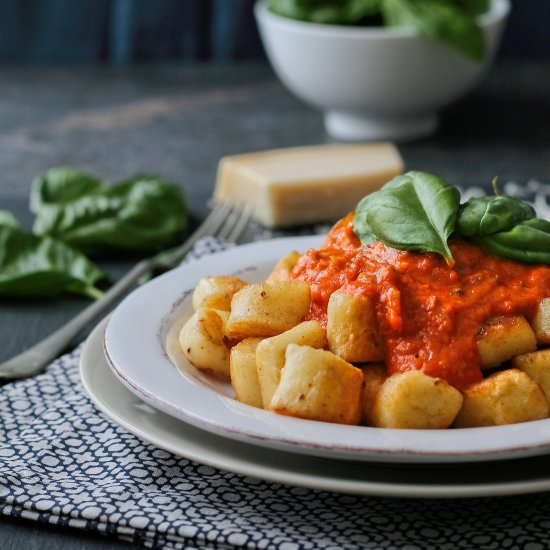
[62, 462]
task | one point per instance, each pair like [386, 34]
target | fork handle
[36, 358]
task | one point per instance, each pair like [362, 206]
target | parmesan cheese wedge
[303, 185]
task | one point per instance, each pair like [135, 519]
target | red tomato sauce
[429, 314]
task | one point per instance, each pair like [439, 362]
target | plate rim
[449, 441]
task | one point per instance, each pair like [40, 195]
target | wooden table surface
[178, 121]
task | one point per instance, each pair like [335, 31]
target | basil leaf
[143, 214]
[487, 215]
[414, 212]
[293, 9]
[61, 185]
[8, 219]
[341, 12]
[475, 7]
[37, 267]
[527, 242]
[442, 21]
[355, 11]
[325, 14]
[452, 22]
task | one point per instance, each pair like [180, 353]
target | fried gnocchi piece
[216, 292]
[374, 376]
[541, 322]
[415, 400]
[352, 328]
[506, 397]
[283, 267]
[270, 354]
[243, 372]
[537, 366]
[266, 310]
[504, 337]
[318, 385]
[202, 340]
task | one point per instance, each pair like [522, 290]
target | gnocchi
[259, 336]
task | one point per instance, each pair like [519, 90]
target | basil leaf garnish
[143, 214]
[506, 227]
[487, 215]
[527, 242]
[42, 266]
[416, 212]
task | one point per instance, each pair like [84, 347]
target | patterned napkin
[62, 462]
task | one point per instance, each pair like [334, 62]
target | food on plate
[271, 358]
[502, 338]
[318, 385]
[536, 364]
[412, 399]
[216, 292]
[266, 310]
[374, 375]
[301, 185]
[505, 397]
[203, 340]
[244, 373]
[352, 328]
[541, 322]
[405, 317]
[282, 269]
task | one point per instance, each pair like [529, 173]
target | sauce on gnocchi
[429, 314]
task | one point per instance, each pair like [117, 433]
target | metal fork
[226, 221]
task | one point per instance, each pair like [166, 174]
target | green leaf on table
[416, 212]
[34, 266]
[8, 219]
[143, 214]
[445, 22]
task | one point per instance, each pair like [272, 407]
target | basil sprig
[416, 212]
[451, 23]
[419, 211]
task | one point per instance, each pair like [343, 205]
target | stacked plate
[132, 370]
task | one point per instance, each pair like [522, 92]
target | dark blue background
[122, 31]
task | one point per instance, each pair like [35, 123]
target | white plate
[480, 480]
[135, 344]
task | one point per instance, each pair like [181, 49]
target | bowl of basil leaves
[380, 69]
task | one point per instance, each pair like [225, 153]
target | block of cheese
[303, 185]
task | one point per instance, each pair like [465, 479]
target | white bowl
[373, 82]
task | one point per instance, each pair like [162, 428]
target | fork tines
[235, 221]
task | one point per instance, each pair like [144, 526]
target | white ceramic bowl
[373, 82]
